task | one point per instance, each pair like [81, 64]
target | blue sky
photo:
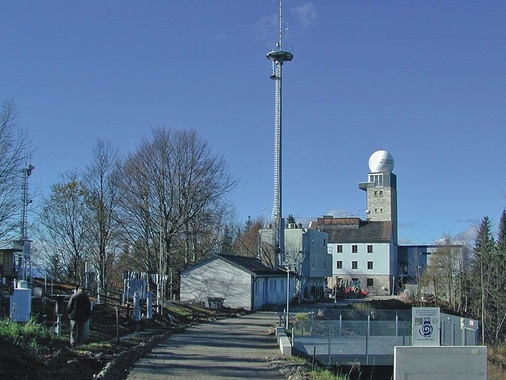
[424, 80]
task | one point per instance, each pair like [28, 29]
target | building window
[376, 179]
[329, 249]
[370, 282]
[339, 264]
[354, 264]
[339, 248]
[324, 242]
[256, 287]
[282, 286]
[354, 248]
[370, 265]
[369, 249]
[324, 264]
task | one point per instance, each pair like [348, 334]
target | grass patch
[316, 372]
[325, 374]
[30, 336]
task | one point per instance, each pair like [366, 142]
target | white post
[137, 310]
[149, 305]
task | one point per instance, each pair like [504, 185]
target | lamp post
[287, 297]
[287, 310]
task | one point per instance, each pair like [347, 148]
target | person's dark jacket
[79, 307]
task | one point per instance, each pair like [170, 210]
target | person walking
[78, 309]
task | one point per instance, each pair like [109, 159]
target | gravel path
[232, 348]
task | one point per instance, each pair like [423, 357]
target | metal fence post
[367, 339]
[329, 330]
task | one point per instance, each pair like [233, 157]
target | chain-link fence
[350, 336]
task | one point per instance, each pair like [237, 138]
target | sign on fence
[425, 325]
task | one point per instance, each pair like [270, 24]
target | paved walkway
[233, 348]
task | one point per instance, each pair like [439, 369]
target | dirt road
[233, 348]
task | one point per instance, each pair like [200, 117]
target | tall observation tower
[278, 55]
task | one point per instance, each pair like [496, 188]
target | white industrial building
[365, 251]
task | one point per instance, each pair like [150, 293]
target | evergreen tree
[500, 276]
[481, 287]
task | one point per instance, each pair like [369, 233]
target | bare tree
[202, 236]
[416, 271]
[65, 226]
[14, 153]
[102, 201]
[247, 238]
[137, 217]
[177, 186]
[445, 266]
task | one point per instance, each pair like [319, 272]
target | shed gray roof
[252, 265]
[367, 232]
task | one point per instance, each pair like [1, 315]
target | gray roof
[252, 265]
[365, 232]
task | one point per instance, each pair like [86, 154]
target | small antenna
[280, 26]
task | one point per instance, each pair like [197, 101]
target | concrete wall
[437, 363]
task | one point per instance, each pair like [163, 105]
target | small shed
[237, 281]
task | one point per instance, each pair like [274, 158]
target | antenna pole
[278, 56]
[26, 263]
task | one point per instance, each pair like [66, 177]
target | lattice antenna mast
[26, 263]
[278, 55]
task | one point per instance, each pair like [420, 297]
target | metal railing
[368, 337]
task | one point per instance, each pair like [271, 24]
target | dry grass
[497, 362]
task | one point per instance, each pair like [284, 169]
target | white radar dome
[381, 162]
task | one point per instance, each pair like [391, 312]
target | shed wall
[217, 279]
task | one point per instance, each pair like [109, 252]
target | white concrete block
[436, 363]
[284, 345]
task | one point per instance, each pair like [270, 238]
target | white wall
[217, 279]
[438, 363]
[271, 290]
[320, 265]
[380, 258]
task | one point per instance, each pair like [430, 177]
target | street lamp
[287, 297]
[287, 315]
